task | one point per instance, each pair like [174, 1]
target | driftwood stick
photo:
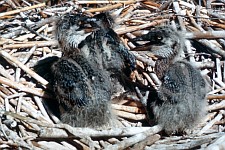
[215, 24]
[178, 12]
[203, 65]
[19, 103]
[42, 109]
[25, 60]
[205, 35]
[131, 116]
[7, 56]
[210, 97]
[219, 82]
[155, 79]
[107, 8]
[31, 44]
[27, 108]
[148, 141]
[83, 146]
[13, 136]
[127, 14]
[21, 87]
[216, 90]
[213, 47]
[77, 132]
[152, 3]
[145, 60]
[185, 142]
[187, 4]
[194, 22]
[36, 33]
[218, 106]
[130, 109]
[224, 71]
[51, 145]
[149, 79]
[134, 139]
[218, 69]
[115, 132]
[69, 146]
[103, 2]
[11, 3]
[212, 122]
[188, 144]
[131, 29]
[22, 9]
[219, 143]
[129, 10]
[216, 15]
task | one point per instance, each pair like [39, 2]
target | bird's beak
[145, 37]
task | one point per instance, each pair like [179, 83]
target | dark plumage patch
[70, 83]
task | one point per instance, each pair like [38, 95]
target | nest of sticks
[26, 37]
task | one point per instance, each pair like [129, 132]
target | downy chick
[83, 93]
[82, 89]
[181, 102]
[105, 49]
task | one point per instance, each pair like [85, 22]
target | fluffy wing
[71, 85]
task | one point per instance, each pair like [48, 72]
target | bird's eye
[159, 38]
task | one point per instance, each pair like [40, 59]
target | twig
[33, 74]
[212, 122]
[21, 87]
[220, 82]
[205, 35]
[213, 47]
[131, 116]
[131, 29]
[148, 141]
[31, 44]
[219, 142]
[210, 97]
[107, 8]
[218, 106]
[35, 32]
[130, 109]
[77, 132]
[145, 60]
[102, 2]
[178, 12]
[134, 139]
[42, 109]
[22, 10]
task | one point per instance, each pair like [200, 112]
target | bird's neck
[162, 65]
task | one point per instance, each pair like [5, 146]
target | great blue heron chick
[93, 61]
[181, 102]
[83, 93]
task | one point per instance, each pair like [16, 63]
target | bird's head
[72, 29]
[163, 42]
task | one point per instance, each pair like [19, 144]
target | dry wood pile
[26, 36]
